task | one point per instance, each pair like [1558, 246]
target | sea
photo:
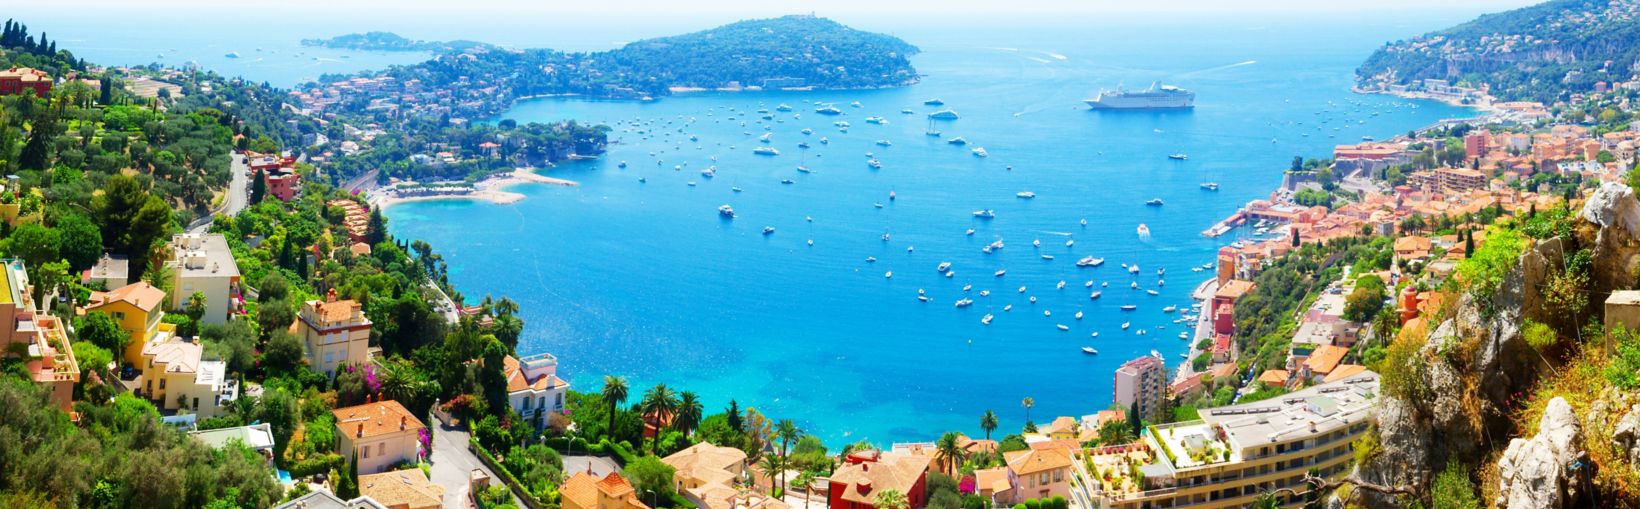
[806, 305]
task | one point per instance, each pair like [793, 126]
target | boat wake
[1055, 56]
[1220, 68]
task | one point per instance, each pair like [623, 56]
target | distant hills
[1533, 53]
[786, 52]
[389, 41]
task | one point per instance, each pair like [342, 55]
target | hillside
[1541, 53]
[792, 51]
[388, 41]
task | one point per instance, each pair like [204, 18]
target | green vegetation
[1453, 489]
[1266, 316]
[388, 41]
[1484, 270]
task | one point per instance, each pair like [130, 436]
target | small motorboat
[768, 230]
[1089, 350]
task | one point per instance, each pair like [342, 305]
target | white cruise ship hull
[1129, 102]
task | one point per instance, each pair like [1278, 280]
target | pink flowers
[425, 436]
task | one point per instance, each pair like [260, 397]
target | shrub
[1401, 373]
[316, 464]
[1483, 271]
[1453, 489]
[1539, 335]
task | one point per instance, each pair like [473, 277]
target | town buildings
[203, 263]
[22, 80]
[533, 387]
[1234, 453]
[381, 434]
[335, 332]
[1041, 472]
[865, 473]
[1142, 382]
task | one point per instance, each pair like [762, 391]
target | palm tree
[659, 401]
[1267, 500]
[988, 422]
[614, 393]
[1028, 403]
[950, 452]
[788, 432]
[770, 466]
[689, 413]
[890, 499]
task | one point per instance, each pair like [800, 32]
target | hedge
[317, 464]
[506, 476]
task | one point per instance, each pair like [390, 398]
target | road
[452, 462]
[235, 197]
[596, 465]
[364, 182]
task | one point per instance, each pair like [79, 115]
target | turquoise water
[645, 280]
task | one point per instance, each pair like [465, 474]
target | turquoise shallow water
[645, 280]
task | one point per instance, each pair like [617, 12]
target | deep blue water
[645, 280]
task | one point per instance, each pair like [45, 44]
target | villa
[204, 264]
[586, 491]
[327, 500]
[1041, 473]
[335, 332]
[997, 485]
[703, 469]
[533, 387]
[256, 437]
[381, 434]
[136, 307]
[175, 377]
[1233, 453]
[866, 473]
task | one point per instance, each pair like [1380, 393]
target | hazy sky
[828, 7]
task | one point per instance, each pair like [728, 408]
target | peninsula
[389, 41]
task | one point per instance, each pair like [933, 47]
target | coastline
[493, 190]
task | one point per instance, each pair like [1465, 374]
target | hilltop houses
[40, 338]
[865, 473]
[24, 80]
[137, 309]
[533, 387]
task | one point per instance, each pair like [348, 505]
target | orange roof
[1064, 423]
[1065, 443]
[1344, 371]
[994, 480]
[516, 381]
[1038, 460]
[1275, 377]
[583, 490]
[379, 418]
[140, 294]
[860, 481]
[1325, 359]
[1234, 289]
[408, 488]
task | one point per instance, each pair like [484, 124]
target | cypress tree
[259, 188]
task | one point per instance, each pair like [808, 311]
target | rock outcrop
[1614, 215]
[1549, 471]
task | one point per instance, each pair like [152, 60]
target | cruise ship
[1157, 97]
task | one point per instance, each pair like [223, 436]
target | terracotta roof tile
[379, 418]
[141, 294]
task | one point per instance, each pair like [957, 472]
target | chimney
[360, 432]
[330, 296]
[401, 423]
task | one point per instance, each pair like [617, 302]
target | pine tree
[259, 188]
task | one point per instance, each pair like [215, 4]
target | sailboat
[931, 130]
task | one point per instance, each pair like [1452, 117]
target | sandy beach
[493, 190]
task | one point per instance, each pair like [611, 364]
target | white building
[533, 387]
[204, 264]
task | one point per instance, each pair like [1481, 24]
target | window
[381, 448]
[541, 402]
[1058, 475]
[196, 404]
[366, 452]
[162, 384]
[558, 401]
[330, 357]
[527, 402]
[1042, 478]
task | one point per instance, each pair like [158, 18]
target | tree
[81, 242]
[950, 452]
[1366, 300]
[733, 413]
[131, 219]
[1115, 432]
[233, 342]
[614, 393]
[34, 244]
[787, 431]
[100, 329]
[661, 404]
[1027, 403]
[689, 413]
[259, 187]
[274, 316]
[284, 351]
[377, 232]
[771, 466]
[890, 499]
[1135, 421]
[650, 475]
[272, 287]
[196, 306]
[988, 422]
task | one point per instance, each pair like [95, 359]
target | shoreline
[493, 190]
